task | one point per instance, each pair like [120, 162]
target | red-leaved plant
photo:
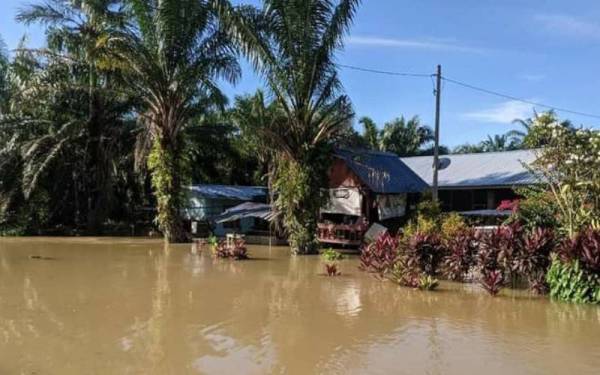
[497, 250]
[379, 256]
[533, 258]
[237, 251]
[422, 253]
[508, 205]
[460, 254]
[585, 247]
[331, 269]
[492, 281]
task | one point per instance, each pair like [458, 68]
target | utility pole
[436, 147]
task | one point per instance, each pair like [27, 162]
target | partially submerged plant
[427, 282]
[213, 243]
[460, 254]
[380, 255]
[330, 257]
[237, 250]
[533, 259]
[492, 281]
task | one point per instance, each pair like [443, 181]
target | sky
[544, 51]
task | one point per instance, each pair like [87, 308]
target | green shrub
[568, 281]
[427, 282]
[331, 255]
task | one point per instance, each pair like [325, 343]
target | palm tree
[175, 51]
[370, 132]
[468, 148]
[405, 138]
[499, 142]
[78, 32]
[527, 137]
[292, 44]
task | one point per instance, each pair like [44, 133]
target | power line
[472, 87]
[402, 74]
[511, 97]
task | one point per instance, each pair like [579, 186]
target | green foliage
[306, 90]
[331, 256]
[427, 282]
[569, 282]
[538, 209]
[452, 225]
[168, 170]
[174, 52]
[299, 200]
[570, 169]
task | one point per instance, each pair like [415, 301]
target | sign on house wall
[389, 206]
[345, 201]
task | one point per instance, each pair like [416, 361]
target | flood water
[118, 306]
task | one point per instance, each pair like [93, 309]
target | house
[220, 207]
[477, 183]
[366, 187]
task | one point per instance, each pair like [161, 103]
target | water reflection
[138, 307]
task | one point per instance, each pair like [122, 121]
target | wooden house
[366, 187]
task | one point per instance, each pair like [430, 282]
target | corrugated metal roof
[247, 209]
[243, 193]
[383, 172]
[478, 170]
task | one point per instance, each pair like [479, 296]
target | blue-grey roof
[246, 209]
[487, 169]
[382, 172]
[242, 193]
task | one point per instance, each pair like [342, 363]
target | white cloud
[425, 44]
[569, 25]
[503, 113]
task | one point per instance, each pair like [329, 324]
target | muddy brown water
[119, 306]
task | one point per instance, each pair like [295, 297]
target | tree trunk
[167, 167]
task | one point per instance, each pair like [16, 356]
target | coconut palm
[404, 137]
[175, 51]
[292, 44]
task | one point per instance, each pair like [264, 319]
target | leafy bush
[533, 258]
[460, 254]
[497, 251]
[422, 252]
[379, 256]
[492, 281]
[427, 282]
[330, 257]
[418, 259]
[569, 282]
[537, 210]
[237, 251]
[452, 224]
[585, 248]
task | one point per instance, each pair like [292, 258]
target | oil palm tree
[499, 142]
[292, 44]
[370, 132]
[405, 137]
[78, 32]
[175, 51]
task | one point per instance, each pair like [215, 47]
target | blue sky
[543, 51]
